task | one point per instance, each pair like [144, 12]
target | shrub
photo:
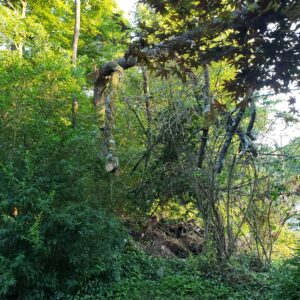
[52, 245]
[288, 278]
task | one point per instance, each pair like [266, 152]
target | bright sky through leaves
[127, 5]
[281, 133]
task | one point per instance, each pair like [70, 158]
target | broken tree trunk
[106, 106]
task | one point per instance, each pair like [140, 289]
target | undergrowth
[146, 277]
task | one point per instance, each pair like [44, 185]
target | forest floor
[165, 260]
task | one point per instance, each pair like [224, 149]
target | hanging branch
[246, 143]
[206, 111]
[101, 79]
[252, 121]
[231, 130]
[137, 53]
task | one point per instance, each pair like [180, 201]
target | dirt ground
[167, 239]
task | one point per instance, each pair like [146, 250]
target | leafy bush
[52, 245]
[146, 277]
[288, 279]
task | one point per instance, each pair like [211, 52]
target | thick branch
[170, 48]
[102, 76]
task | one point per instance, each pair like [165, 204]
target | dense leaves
[265, 36]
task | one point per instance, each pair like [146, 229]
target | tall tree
[23, 15]
[74, 58]
[76, 32]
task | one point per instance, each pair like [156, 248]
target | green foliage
[246, 25]
[157, 278]
[62, 235]
[103, 32]
[52, 244]
[288, 278]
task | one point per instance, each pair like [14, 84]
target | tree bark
[252, 121]
[76, 32]
[231, 130]
[147, 95]
[206, 111]
[74, 58]
[104, 107]
[109, 145]
[23, 16]
[148, 112]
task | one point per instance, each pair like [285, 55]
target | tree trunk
[206, 112]
[109, 145]
[104, 105]
[148, 112]
[147, 95]
[76, 32]
[74, 58]
[23, 16]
